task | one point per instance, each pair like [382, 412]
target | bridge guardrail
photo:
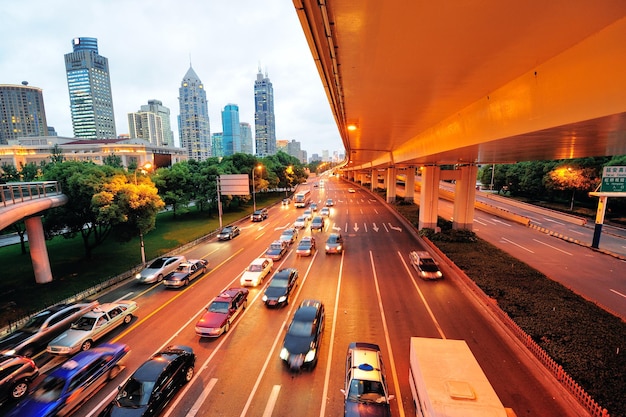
[18, 192]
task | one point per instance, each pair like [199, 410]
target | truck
[446, 380]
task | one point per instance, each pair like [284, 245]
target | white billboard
[234, 184]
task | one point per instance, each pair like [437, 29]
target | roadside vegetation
[588, 342]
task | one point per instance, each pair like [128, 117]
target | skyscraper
[22, 112]
[246, 138]
[231, 131]
[193, 121]
[264, 124]
[217, 144]
[89, 84]
[157, 107]
[146, 125]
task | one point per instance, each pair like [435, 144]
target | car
[289, 235]
[228, 233]
[351, 190]
[334, 243]
[41, 328]
[159, 268]
[280, 288]
[306, 247]
[259, 215]
[317, 223]
[330, 202]
[221, 312]
[325, 212]
[92, 326]
[313, 207]
[186, 271]
[153, 385]
[256, 272]
[301, 222]
[72, 383]
[286, 201]
[304, 335]
[365, 385]
[16, 375]
[308, 214]
[425, 265]
[276, 250]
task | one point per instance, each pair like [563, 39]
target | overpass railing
[19, 192]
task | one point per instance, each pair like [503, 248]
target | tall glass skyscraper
[264, 124]
[89, 84]
[231, 131]
[246, 138]
[193, 121]
[22, 112]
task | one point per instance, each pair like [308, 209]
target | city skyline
[268, 35]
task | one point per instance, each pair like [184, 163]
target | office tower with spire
[89, 84]
[157, 107]
[264, 125]
[231, 131]
[193, 121]
[22, 112]
[246, 138]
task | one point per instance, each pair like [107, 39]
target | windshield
[135, 393]
[84, 323]
[300, 328]
[366, 391]
[278, 283]
[36, 322]
[305, 244]
[255, 268]
[219, 307]
[157, 264]
[50, 389]
[429, 265]
[184, 268]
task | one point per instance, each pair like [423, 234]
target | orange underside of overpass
[480, 81]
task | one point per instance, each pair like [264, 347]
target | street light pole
[253, 191]
[142, 168]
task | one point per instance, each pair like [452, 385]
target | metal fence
[19, 192]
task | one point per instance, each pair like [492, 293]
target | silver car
[159, 268]
[93, 326]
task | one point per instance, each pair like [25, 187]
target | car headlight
[327, 247]
[284, 354]
[282, 298]
[138, 276]
[310, 355]
[339, 247]
[10, 352]
[264, 298]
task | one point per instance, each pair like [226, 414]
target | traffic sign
[613, 179]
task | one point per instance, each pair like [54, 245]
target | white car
[159, 268]
[308, 213]
[256, 272]
[301, 222]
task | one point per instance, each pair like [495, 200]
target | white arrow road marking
[375, 227]
[282, 227]
[397, 229]
[356, 227]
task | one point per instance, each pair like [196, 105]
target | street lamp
[145, 167]
[254, 187]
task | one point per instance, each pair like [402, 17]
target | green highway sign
[614, 179]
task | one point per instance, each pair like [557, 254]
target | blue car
[73, 383]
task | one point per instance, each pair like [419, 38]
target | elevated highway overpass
[425, 84]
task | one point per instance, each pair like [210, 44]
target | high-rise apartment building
[246, 138]
[89, 84]
[22, 113]
[193, 121]
[264, 123]
[231, 130]
[146, 125]
[157, 107]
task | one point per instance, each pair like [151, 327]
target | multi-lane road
[370, 293]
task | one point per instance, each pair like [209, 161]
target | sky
[150, 46]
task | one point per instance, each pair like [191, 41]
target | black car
[42, 328]
[304, 335]
[16, 375]
[154, 384]
[280, 287]
[228, 233]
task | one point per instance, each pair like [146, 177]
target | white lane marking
[375, 211]
[484, 219]
[271, 402]
[365, 225]
[553, 247]
[501, 222]
[519, 246]
[392, 362]
[385, 226]
[576, 231]
[205, 393]
[617, 292]
[553, 221]
[479, 222]
[332, 341]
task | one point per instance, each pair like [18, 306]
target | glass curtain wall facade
[264, 124]
[246, 138]
[22, 112]
[231, 130]
[193, 121]
[89, 85]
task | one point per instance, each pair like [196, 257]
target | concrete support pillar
[391, 184]
[38, 250]
[374, 180]
[429, 197]
[464, 198]
[409, 185]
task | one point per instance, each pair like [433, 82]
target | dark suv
[259, 215]
[16, 374]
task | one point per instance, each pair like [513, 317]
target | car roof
[286, 272]
[228, 294]
[102, 308]
[259, 261]
[366, 361]
[74, 365]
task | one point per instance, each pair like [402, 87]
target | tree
[113, 160]
[10, 173]
[572, 178]
[56, 154]
[175, 186]
[30, 172]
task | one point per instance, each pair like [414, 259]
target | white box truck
[446, 380]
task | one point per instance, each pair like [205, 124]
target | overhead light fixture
[352, 127]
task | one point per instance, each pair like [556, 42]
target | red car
[221, 312]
